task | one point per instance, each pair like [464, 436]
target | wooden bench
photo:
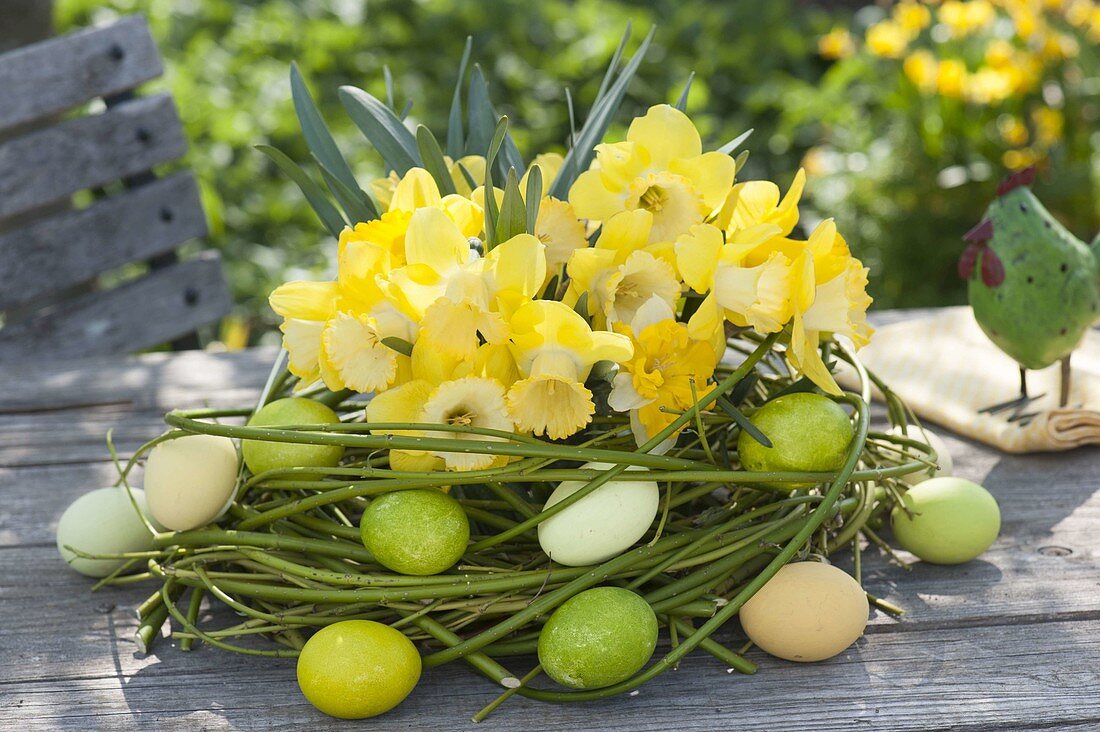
[54, 144]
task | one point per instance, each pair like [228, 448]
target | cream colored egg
[102, 521]
[808, 611]
[189, 481]
[604, 523]
[943, 456]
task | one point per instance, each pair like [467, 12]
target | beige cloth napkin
[947, 370]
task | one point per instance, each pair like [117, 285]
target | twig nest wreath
[808, 611]
[945, 466]
[189, 480]
[946, 520]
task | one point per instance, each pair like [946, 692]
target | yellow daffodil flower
[660, 374]
[661, 167]
[619, 274]
[887, 39]
[457, 295]
[555, 350]
[558, 227]
[755, 202]
[836, 44]
[550, 164]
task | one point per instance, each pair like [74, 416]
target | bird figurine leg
[1018, 404]
[1063, 397]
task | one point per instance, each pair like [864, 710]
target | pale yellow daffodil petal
[666, 133]
[305, 300]
[416, 190]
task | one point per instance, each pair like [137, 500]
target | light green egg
[952, 520]
[417, 532]
[261, 455]
[103, 522]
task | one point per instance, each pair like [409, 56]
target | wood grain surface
[1008, 642]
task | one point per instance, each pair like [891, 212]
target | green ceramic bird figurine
[1034, 286]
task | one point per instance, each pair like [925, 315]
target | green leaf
[317, 135]
[402, 346]
[682, 102]
[572, 117]
[433, 160]
[454, 122]
[468, 176]
[387, 79]
[513, 213]
[356, 204]
[581, 306]
[739, 161]
[382, 128]
[324, 209]
[595, 127]
[736, 142]
[743, 422]
[483, 118]
[533, 196]
[491, 211]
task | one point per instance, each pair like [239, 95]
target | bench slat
[65, 250]
[51, 164]
[156, 308]
[49, 77]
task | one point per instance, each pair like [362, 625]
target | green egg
[598, 638]
[953, 520]
[261, 455]
[416, 532]
[808, 432]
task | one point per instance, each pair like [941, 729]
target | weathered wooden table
[1008, 642]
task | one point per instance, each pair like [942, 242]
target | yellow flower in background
[661, 168]
[912, 16]
[550, 164]
[964, 18]
[836, 44]
[920, 67]
[622, 271]
[1000, 54]
[888, 39]
[1022, 158]
[951, 77]
[660, 374]
[1049, 125]
[474, 165]
[988, 86]
[555, 350]
[1012, 130]
[382, 189]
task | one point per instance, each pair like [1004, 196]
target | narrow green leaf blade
[615, 59]
[743, 422]
[316, 133]
[483, 118]
[533, 196]
[324, 209]
[682, 102]
[356, 204]
[455, 134]
[400, 345]
[736, 142]
[595, 127]
[433, 160]
[382, 128]
[513, 213]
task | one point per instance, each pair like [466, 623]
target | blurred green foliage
[756, 65]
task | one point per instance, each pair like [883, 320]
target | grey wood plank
[61, 73]
[61, 251]
[52, 163]
[152, 381]
[155, 308]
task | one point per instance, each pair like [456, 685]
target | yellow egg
[808, 611]
[189, 481]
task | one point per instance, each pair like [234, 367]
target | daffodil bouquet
[608, 372]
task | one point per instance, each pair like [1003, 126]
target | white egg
[604, 523]
[103, 522]
[189, 481]
[943, 457]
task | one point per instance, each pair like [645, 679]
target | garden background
[904, 114]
